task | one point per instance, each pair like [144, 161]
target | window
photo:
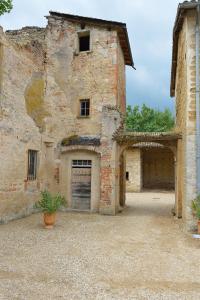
[81, 163]
[84, 41]
[84, 108]
[32, 164]
[127, 176]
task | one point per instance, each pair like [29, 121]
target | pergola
[172, 140]
[128, 138]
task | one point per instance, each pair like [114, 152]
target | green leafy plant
[147, 119]
[5, 6]
[50, 203]
[196, 206]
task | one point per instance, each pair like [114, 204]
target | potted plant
[49, 204]
[196, 209]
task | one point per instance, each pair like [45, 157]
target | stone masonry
[183, 87]
[43, 76]
[134, 169]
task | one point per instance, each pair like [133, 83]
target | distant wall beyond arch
[149, 168]
[158, 170]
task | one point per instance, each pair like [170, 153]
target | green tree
[5, 6]
[146, 119]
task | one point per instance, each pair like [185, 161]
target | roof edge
[86, 19]
[102, 22]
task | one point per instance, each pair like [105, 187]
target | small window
[127, 176]
[84, 108]
[84, 41]
[81, 163]
[32, 164]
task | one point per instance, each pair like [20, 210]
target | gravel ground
[139, 254]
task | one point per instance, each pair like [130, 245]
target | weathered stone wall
[110, 158]
[190, 158]
[121, 80]
[134, 168]
[74, 75]
[97, 75]
[186, 116]
[42, 79]
[18, 131]
[181, 80]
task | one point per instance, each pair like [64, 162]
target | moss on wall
[34, 97]
[67, 141]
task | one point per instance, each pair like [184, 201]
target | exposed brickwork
[109, 201]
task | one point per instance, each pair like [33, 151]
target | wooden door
[81, 186]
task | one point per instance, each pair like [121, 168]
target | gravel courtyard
[139, 254]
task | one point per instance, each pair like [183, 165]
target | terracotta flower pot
[198, 224]
[49, 220]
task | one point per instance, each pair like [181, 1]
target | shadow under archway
[169, 141]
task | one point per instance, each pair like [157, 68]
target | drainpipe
[197, 33]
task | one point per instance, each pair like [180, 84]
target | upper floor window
[32, 164]
[84, 107]
[84, 41]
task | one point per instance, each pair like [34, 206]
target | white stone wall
[133, 166]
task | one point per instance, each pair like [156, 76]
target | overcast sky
[149, 23]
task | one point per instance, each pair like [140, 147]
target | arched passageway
[158, 168]
[150, 180]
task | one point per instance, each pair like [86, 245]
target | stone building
[62, 99]
[185, 88]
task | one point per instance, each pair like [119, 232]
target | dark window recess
[85, 107]
[127, 175]
[32, 164]
[84, 43]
